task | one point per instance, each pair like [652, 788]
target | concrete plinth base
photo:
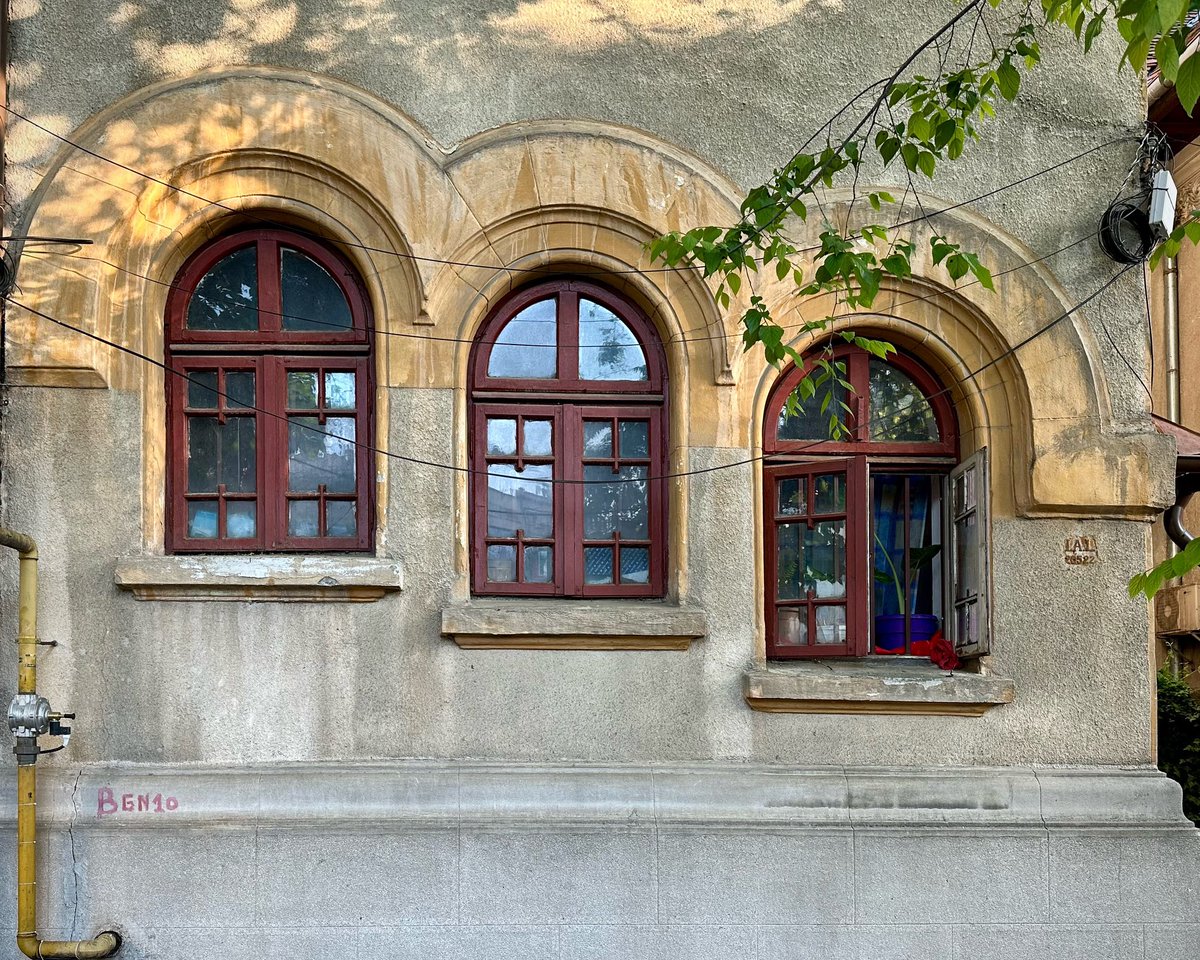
[469, 861]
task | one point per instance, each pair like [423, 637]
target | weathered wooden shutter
[969, 620]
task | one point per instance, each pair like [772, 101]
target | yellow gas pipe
[104, 944]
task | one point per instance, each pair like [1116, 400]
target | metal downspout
[33, 715]
[1171, 319]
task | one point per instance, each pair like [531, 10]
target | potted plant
[889, 627]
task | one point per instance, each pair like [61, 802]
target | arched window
[269, 425]
[862, 543]
[568, 436]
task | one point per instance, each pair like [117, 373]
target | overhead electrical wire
[470, 340]
[455, 468]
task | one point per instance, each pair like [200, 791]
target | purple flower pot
[889, 631]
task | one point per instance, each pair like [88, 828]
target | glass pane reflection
[501, 437]
[520, 501]
[202, 519]
[539, 564]
[831, 625]
[339, 390]
[611, 505]
[302, 518]
[526, 347]
[635, 565]
[808, 422]
[899, 411]
[226, 298]
[608, 349]
[597, 565]
[791, 626]
[240, 518]
[321, 454]
[312, 299]
[502, 563]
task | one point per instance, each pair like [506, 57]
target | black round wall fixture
[1125, 234]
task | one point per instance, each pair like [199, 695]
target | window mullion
[273, 426]
[569, 503]
[270, 293]
[568, 336]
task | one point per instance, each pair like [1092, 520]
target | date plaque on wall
[1080, 550]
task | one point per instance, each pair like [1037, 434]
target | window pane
[321, 454]
[221, 454]
[539, 564]
[791, 496]
[899, 411]
[831, 625]
[635, 439]
[791, 626]
[502, 437]
[302, 518]
[825, 550]
[611, 505]
[597, 565]
[919, 588]
[239, 388]
[597, 438]
[635, 565]
[608, 349]
[339, 390]
[203, 454]
[202, 389]
[202, 519]
[808, 422]
[312, 300]
[789, 562]
[226, 298]
[238, 458]
[502, 563]
[538, 438]
[829, 493]
[240, 518]
[526, 347]
[520, 501]
[341, 518]
[302, 389]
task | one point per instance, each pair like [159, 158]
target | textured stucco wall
[186, 681]
[737, 83]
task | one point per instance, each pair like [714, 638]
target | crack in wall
[74, 856]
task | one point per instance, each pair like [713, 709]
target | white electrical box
[1162, 204]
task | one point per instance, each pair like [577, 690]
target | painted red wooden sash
[269, 434]
[818, 595]
[608, 507]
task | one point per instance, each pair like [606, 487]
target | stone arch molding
[1041, 408]
[236, 145]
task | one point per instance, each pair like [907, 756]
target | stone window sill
[256, 577]
[562, 624]
[876, 685]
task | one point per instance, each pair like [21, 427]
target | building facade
[406, 535]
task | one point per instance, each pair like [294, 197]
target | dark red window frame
[570, 401]
[270, 351]
[859, 458]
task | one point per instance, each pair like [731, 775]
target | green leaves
[1187, 83]
[923, 122]
[1008, 78]
[1149, 583]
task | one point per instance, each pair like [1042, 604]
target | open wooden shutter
[970, 619]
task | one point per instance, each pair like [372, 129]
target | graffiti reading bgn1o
[107, 803]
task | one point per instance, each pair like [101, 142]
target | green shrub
[1179, 738]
